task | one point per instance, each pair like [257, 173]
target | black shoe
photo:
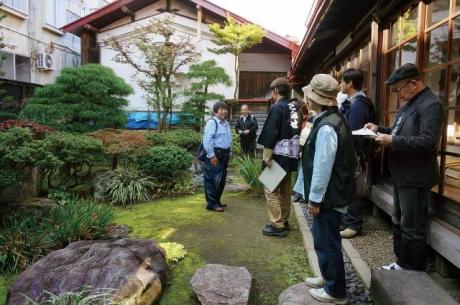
[296, 197]
[216, 209]
[270, 230]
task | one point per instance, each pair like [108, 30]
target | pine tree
[82, 99]
[203, 76]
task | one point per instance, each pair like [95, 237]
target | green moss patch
[5, 281]
[231, 238]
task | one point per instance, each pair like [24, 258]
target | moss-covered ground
[231, 238]
[5, 281]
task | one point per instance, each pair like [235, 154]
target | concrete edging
[360, 266]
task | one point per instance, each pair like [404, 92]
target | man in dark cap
[280, 138]
[413, 143]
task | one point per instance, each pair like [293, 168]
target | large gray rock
[217, 284]
[135, 269]
[298, 295]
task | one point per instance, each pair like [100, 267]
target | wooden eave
[115, 11]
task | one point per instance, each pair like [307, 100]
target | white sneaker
[315, 282]
[348, 233]
[323, 296]
[392, 266]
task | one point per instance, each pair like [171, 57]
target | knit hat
[323, 89]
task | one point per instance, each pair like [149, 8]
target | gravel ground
[375, 243]
[357, 293]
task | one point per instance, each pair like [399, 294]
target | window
[20, 5]
[56, 13]
[15, 67]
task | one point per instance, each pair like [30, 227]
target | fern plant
[128, 185]
[85, 297]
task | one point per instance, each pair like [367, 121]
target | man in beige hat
[328, 166]
[280, 139]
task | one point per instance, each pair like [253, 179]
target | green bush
[85, 297]
[184, 138]
[26, 238]
[128, 185]
[82, 99]
[18, 150]
[182, 184]
[164, 162]
[250, 170]
[236, 146]
[77, 154]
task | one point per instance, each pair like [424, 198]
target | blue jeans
[214, 181]
[328, 248]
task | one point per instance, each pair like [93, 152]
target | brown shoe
[216, 209]
[224, 205]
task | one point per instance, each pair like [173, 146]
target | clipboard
[271, 177]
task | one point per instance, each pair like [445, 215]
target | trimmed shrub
[128, 185]
[82, 99]
[184, 138]
[26, 238]
[250, 170]
[182, 184]
[164, 162]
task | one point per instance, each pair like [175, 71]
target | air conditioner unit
[45, 61]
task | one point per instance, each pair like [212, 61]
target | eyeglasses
[398, 90]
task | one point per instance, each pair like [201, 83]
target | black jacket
[414, 149]
[250, 123]
[278, 127]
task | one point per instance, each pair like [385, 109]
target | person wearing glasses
[413, 143]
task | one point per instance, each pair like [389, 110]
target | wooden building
[259, 64]
[378, 36]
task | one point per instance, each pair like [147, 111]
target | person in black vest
[246, 127]
[413, 143]
[328, 166]
[280, 138]
[357, 110]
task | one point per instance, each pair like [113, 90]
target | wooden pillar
[199, 20]
[85, 47]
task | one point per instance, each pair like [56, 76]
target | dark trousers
[214, 181]
[410, 218]
[248, 145]
[353, 218]
[328, 248]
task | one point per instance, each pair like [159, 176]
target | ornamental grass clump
[250, 170]
[127, 185]
[24, 238]
[84, 297]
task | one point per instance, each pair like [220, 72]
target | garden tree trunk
[29, 187]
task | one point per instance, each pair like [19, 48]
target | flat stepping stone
[216, 284]
[298, 295]
[407, 288]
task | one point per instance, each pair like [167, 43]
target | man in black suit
[247, 127]
[413, 143]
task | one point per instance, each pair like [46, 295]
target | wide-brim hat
[322, 90]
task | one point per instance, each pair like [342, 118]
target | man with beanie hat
[413, 143]
[280, 139]
[328, 166]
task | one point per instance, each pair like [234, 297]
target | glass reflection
[436, 80]
[454, 86]
[409, 52]
[437, 11]
[455, 51]
[436, 47]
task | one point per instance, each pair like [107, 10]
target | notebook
[271, 177]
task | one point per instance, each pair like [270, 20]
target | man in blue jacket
[357, 110]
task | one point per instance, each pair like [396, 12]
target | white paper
[271, 177]
[364, 132]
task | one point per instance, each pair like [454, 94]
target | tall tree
[234, 38]
[203, 75]
[82, 99]
[156, 53]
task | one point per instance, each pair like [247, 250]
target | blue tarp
[142, 119]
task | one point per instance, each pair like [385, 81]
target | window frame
[26, 11]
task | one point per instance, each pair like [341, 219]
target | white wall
[184, 27]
